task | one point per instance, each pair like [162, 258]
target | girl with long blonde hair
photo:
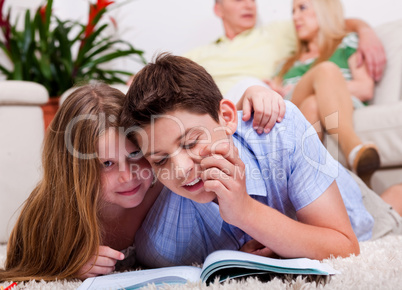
[84, 211]
[323, 79]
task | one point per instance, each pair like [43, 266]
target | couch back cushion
[389, 89]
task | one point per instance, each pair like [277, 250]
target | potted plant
[60, 53]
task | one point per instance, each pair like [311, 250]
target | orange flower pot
[49, 110]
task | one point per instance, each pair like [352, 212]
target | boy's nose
[183, 165]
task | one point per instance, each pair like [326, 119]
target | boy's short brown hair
[170, 83]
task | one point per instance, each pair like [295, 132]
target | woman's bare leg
[326, 82]
[309, 108]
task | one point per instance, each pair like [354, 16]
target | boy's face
[173, 144]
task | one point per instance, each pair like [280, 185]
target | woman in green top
[323, 75]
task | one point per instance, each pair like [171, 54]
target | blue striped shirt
[286, 169]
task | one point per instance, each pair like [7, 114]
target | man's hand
[224, 174]
[268, 107]
[371, 52]
[102, 264]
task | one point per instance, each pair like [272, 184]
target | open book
[225, 264]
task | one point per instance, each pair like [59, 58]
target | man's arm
[370, 50]
[361, 85]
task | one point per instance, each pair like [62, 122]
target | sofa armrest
[22, 93]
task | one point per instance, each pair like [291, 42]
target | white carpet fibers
[379, 266]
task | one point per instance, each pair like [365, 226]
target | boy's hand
[256, 248]
[224, 174]
[268, 106]
[101, 265]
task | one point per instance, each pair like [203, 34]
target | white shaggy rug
[379, 266]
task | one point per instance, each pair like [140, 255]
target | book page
[137, 279]
[227, 259]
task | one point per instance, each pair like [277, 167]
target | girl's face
[125, 175]
[305, 20]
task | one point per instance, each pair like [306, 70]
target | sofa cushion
[382, 125]
[385, 178]
[389, 89]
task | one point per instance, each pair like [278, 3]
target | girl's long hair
[331, 24]
[58, 229]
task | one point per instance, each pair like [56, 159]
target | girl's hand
[268, 107]
[102, 264]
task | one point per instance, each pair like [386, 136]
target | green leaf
[17, 74]
[61, 35]
[15, 53]
[44, 65]
[87, 44]
[5, 49]
[27, 35]
[48, 14]
[5, 71]
[99, 48]
[106, 58]
[43, 34]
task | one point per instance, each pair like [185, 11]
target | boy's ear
[228, 116]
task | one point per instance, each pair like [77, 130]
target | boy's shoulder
[281, 137]
[284, 139]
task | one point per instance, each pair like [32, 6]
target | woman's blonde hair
[58, 229]
[332, 30]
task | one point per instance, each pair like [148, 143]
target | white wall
[179, 25]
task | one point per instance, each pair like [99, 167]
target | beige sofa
[21, 129]
[21, 136]
[381, 122]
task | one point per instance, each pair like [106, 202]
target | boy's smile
[173, 144]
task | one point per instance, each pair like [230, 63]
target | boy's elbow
[346, 249]
[353, 248]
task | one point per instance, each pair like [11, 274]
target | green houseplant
[60, 53]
